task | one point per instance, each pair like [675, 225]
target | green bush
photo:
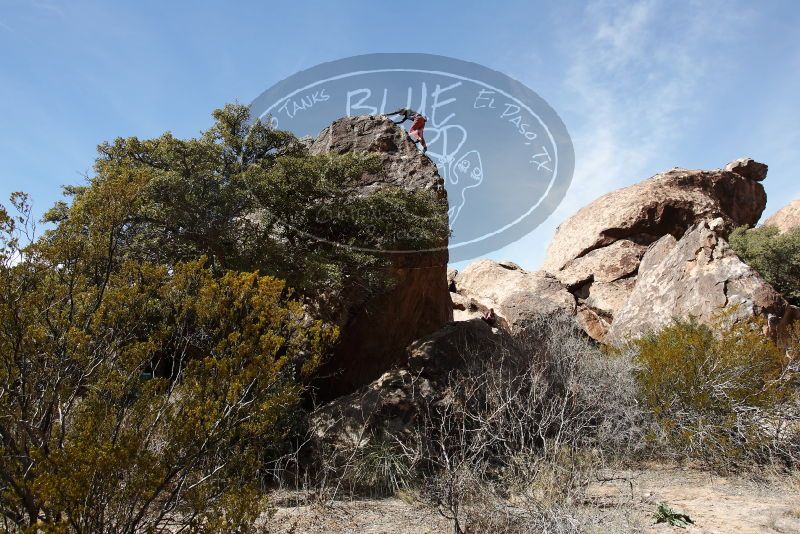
[137, 396]
[774, 255]
[717, 394]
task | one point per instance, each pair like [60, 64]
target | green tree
[252, 198]
[153, 351]
[774, 255]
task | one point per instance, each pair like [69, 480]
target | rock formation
[596, 252]
[695, 276]
[748, 168]
[391, 404]
[635, 258]
[376, 329]
[785, 218]
[667, 203]
[517, 296]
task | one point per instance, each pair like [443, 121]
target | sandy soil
[716, 504]
[625, 502]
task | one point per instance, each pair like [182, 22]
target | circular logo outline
[563, 150]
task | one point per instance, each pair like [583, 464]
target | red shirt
[419, 123]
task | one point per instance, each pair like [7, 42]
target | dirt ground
[716, 504]
[624, 501]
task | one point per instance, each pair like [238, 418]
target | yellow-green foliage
[135, 394]
[714, 392]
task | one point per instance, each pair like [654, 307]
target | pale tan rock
[617, 260]
[517, 296]
[667, 203]
[785, 218]
[698, 276]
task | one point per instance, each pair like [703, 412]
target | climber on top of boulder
[416, 132]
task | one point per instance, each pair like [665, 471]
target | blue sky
[642, 86]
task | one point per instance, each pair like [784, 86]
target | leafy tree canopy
[251, 198]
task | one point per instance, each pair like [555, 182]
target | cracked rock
[696, 276]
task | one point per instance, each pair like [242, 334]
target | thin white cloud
[50, 7]
[632, 83]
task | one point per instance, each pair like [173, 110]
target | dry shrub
[513, 443]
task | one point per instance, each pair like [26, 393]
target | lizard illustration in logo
[460, 173]
[466, 173]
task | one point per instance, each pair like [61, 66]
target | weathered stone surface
[748, 168]
[451, 275]
[598, 302]
[403, 164]
[517, 296]
[617, 260]
[667, 203]
[465, 308]
[392, 403]
[609, 297]
[696, 276]
[377, 328]
[785, 218]
[596, 325]
[597, 252]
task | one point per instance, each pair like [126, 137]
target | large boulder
[667, 203]
[516, 295]
[695, 276]
[392, 404]
[785, 218]
[377, 328]
[596, 252]
[403, 164]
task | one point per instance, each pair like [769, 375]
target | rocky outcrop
[785, 218]
[377, 328]
[749, 168]
[517, 296]
[391, 404]
[695, 276]
[596, 253]
[403, 164]
[638, 257]
[667, 203]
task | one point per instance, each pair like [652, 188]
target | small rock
[749, 168]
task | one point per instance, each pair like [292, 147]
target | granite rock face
[596, 252]
[667, 203]
[748, 168]
[696, 276]
[517, 296]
